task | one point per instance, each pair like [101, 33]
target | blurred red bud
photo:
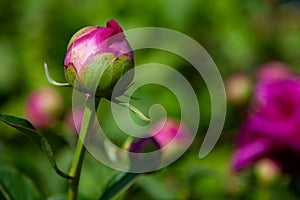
[168, 133]
[43, 106]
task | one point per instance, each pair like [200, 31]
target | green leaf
[15, 186]
[28, 129]
[117, 184]
[64, 197]
[58, 197]
[155, 188]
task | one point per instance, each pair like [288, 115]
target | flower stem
[87, 124]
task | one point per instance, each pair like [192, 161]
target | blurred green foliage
[239, 36]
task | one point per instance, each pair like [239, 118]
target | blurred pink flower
[140, 162]
[166, 136]
[273, 71]
[165, 133]
[43, 106]
[272, 129]
[74, 119]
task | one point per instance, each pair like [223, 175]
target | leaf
[15, 186]
[155, 188]
[64, 197]
[117, 184]
[58, 197]
[28, 129]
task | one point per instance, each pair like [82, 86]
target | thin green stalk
[87, 123]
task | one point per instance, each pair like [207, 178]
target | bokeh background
[239, 36]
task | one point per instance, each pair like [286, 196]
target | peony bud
[42, 107]
[168, 133]
[141, 162]
[94, 50]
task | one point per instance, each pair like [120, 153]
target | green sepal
[91, 74]
[100, 76]
[113, 74]
[70, 74]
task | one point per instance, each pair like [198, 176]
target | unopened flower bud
[141, 162]
[94, 50]
[43, 106]
[169, 134]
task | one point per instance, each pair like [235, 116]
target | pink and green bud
[167, 138]
[171, 134]
[43, 106]
[141, 162]
[144, 145]
[99, 54]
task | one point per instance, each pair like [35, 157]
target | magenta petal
[95, 42]
[114, 24]
[167, 131]
[249, 153]
[273, 71]
[67, 58]
[272, 128]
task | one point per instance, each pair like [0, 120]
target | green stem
[87, 123]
